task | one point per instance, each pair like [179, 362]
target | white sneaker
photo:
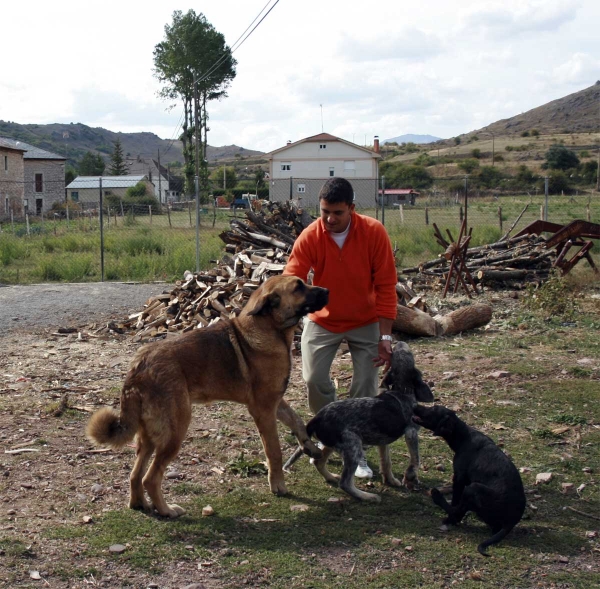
[320, 446]
[363, 471]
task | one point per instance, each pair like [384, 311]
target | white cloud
[441, 68]
[578, 69]
[408, 43]
[508, 19]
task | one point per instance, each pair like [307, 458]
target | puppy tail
[493, 540]
[297, 453]
[108, 427]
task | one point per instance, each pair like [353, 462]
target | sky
[352, 69]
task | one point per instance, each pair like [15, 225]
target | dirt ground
[49, 474]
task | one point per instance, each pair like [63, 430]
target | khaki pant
[319, 347]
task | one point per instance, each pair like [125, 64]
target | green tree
[589, 172]
[259, 177]
[469, 165]
[489, 176]
[524, 176]
[230, 177]
[558, 157]
[91, 164]
[557, 182]
[476, 153]
[70, 174]
[137, 191]
[399, 175]
[117, 161]
[193, 49]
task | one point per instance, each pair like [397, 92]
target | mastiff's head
[286, 299]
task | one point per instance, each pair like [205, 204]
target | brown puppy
[246, 360]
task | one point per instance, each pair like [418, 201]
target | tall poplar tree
[193, 49]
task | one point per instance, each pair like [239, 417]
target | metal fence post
[196, 182]
[546, 184]
[383, 200]
[101, 231]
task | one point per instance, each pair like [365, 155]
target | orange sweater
[361, 277]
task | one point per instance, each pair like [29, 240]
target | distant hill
[575, 113]
[75, 139]
[409, 138]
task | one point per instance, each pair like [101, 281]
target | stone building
[12, 185]
[43, 177]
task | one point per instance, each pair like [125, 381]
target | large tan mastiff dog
[246, 360]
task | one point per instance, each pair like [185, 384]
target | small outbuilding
[398, 196]
[85, 190]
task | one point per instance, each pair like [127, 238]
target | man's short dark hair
[337, 190]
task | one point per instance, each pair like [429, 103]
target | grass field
[161, 248]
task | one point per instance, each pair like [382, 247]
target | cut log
[415, 322]
[464, 319]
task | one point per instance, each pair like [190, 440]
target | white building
[299, 170]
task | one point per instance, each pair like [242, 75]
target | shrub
[551, 300]
[525, 134]
[558, 157]
[535, 133]
[489, 176]
[469, 165]
[476, 153]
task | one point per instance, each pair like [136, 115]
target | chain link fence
[97, 231]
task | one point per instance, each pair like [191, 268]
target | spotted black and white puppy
[344, 426]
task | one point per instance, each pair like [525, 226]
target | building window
[39, 183]
[349, 166]
[286, 166]
[323, 146]
[302, 188]
[74, 196]
[331, 171]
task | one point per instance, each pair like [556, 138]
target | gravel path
[68, 305]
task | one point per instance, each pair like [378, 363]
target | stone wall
[11, 183]
[53, 184]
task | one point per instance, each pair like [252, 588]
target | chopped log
[490, 275]
[415, 322]
[465, 318]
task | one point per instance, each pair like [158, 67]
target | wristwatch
[385, 338]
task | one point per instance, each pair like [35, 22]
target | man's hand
[384, 349]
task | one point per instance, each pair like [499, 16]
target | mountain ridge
[73, 140]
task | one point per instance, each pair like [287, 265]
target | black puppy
[346, 425]
[485, 481]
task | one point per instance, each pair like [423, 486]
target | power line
[235, 46]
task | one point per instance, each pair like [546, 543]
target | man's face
[336, 217]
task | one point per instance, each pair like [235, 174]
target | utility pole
[160, 198]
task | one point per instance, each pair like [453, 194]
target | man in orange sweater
[351, 255]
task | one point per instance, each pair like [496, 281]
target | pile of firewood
[512, 263]
[257, 247]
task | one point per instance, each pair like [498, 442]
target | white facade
[323, 156]
[298, 170]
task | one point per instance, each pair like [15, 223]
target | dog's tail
[108, 427]
[493, 540]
